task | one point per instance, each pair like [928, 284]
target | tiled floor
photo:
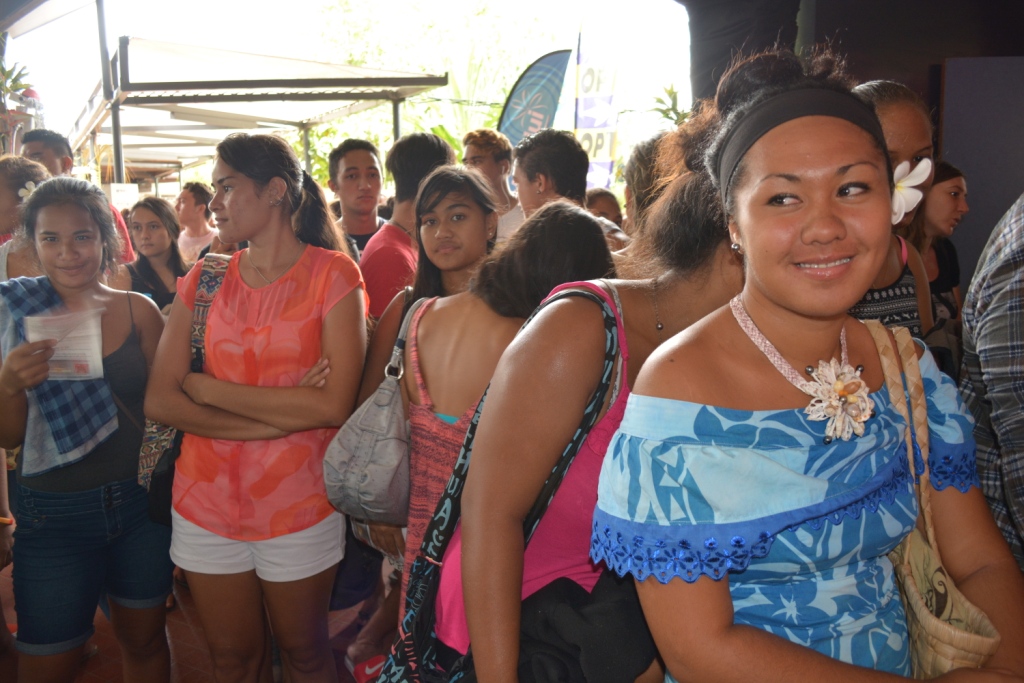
[190, 659]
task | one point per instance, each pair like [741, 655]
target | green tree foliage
[12, 79]
[669, 107]
[477, 48]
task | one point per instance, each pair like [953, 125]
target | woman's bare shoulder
[466, 314]
[688, 366]
[141, 302]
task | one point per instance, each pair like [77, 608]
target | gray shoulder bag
[366, 467]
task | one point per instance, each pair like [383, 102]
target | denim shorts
[73, 547]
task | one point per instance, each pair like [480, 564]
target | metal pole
[94, 159]
[805, 26]
[396, 118]
[115, 127]
[305, 151]
[108, 94]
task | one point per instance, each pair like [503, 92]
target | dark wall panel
[976, 100]
[983, 134]
[721, 28]
[904, 40]
[977, 116]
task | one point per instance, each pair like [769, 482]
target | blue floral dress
[800, 528]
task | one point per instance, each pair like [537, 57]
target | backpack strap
[156, 437]
[215, 267]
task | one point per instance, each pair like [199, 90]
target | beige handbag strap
[894, 380]
[915, 385]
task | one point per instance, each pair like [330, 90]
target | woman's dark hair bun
[763, 75]
[755, 79]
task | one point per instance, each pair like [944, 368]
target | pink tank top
[560, 546]
[434, 447]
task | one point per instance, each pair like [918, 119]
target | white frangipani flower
[906, 195]
[29, 188]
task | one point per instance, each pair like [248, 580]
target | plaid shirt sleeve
[993, 381]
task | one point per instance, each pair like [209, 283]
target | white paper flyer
[79, 350]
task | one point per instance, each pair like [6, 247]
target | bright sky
[649, 41]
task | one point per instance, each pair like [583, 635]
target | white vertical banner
[596, 116]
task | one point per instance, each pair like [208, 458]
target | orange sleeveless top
[268, 337]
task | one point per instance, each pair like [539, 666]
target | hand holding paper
[26, 366]
[78, 353]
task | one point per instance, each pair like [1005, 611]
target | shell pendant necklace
[837, 392]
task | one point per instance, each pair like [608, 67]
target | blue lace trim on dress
[620, 545]
[644, 557]
[953, 465]
[886, 494]
[949, 464]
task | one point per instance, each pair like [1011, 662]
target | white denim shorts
[285, 558]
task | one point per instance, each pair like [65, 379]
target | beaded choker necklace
[837, 392]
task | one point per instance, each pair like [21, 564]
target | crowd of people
[754, 239]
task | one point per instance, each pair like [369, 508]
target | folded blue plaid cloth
[79, 413]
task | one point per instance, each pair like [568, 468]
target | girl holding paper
[83, 527]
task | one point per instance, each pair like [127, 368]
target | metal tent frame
[166, 114]
[173, 120]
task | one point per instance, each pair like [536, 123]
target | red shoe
[368, 671]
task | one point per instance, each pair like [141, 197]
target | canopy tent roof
[21, 16]
[172, 113]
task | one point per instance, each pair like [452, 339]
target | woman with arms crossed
[758, 534]
[253, 528]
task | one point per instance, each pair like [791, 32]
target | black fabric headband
[790, 105]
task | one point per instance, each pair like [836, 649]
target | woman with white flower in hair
[18, 177]
[899, 294]
[760, 475]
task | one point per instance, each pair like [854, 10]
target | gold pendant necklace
[248, 256]
[654, 303]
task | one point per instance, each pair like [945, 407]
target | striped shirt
[993, 373]
[895, 305]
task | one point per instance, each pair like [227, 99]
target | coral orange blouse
[269, 337]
